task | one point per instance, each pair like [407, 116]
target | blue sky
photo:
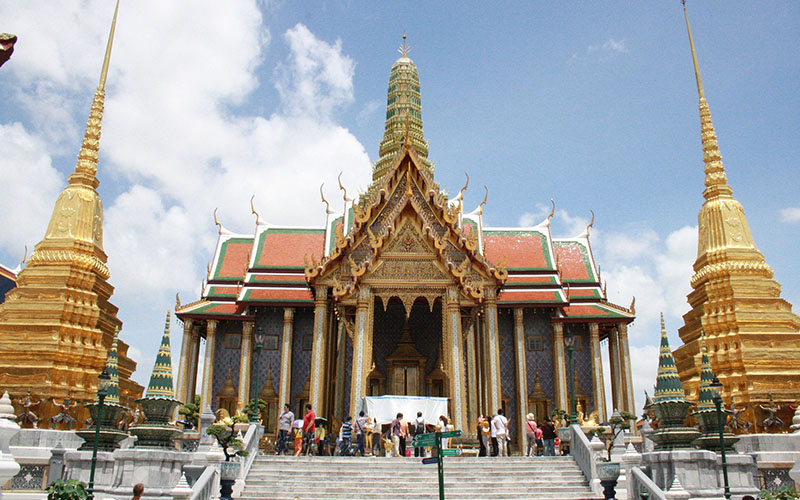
[591, 104]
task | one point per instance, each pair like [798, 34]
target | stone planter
[229, 470]
[607, 471]
[241, 427]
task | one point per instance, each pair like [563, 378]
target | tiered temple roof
[270, 267]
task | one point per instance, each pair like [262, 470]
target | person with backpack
[361, 429]
[419, 429]
[346, 436]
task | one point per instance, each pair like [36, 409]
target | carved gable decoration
[408, 240]
[405, 231]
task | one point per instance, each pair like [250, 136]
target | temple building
[57, 324]
[752, 336]
[8, 280]
[404, 292]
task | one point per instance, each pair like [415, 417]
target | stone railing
[584, 456]
[207, 485]
[251, 440]
[640, 482]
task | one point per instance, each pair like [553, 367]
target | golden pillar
[559, 365]
[245, 364]
[494, 390]
[617, 397]
[625, 367]
[598, 385]
[208, 365]
[194, 361]
[521, 372]
[318, 354]
[472, 377]
[362, 352]
[454, 346]
[285, 385]
[183, 367]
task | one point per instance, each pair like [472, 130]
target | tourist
[137, 491]
[444, 427]
[395, 431]
[549, 437]
[369, 427]
[309, 428]
[530, 433]
[493, 436]
[377, 437]
[322, 436]
[361, 429]
[298, 441]
[286, 418]
[419, 429]
[500, 426]
[346, 436]
[485, 433]
[403, 436]
[539, 442]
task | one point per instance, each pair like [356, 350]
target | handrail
[582, 453]
[251, 440]
[207, 485]
[639, 480]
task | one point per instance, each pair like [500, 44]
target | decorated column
[494, 389]
[361, 354]
[318, 348]
[454, 347]
[245, 364]
[559, 374]
[521, 373]
[194, 358]
[285, 384]
[183, 367]
[208, 365]
[625, 368]
[598, 385]
[472, 376]
[617, 398]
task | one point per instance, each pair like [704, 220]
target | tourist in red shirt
[309, 431]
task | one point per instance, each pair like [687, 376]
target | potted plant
[191, 413]
[231, 444]
[618, 423]
[254, 408]
[66, 489]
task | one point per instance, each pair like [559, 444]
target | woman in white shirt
[500, 429]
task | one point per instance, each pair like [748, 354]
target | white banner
[385, 408]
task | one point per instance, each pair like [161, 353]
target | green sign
[451, 452]
[451, 434]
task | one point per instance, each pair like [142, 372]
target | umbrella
[320, 420]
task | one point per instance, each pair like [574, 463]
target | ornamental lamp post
[569, 341]
[103, 384]
[717, 386]
[260, 337]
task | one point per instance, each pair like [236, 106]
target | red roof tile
[529, 296]
[286, 247]
[233, 259]
[573, 261]
[523, 249]
[593, 311]
[277, 295]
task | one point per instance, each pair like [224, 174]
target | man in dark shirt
[361, 430]
[346, 436]
[309, 431]
[396, 431]
[549, 437]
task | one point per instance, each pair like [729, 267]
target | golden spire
[716, 182]
[86, 168]
[404, 49]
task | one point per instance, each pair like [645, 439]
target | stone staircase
[473, 478]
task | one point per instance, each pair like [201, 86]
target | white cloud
[610, 46]
[317, 78]
[791, 214]
[173, 146]
[29, 181]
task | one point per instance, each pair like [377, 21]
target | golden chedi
[751, 333]
[57, 325]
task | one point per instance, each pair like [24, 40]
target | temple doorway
[406, 349]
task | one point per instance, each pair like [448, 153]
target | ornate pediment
[406, 231]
